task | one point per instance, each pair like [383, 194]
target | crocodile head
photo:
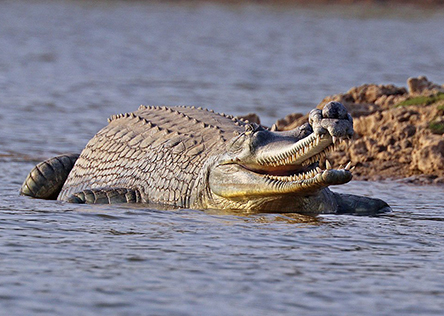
[265, 169]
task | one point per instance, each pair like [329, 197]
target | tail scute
[46, 179]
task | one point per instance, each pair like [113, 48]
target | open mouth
[284, 171]
[306, 169]
[295, 169]
[309, 172]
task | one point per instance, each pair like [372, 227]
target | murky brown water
[65, 66]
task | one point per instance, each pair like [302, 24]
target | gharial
[191, 157]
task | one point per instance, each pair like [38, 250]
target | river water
[65, 66]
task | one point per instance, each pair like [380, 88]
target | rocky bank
[399, 132]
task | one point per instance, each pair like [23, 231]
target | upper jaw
[300, 159]
[302, 152]
[329, 126]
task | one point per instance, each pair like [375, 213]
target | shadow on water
[287, 218]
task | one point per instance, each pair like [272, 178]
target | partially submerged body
[195, 158]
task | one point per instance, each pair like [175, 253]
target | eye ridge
[252, 128]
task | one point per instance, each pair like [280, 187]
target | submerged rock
[398, 131]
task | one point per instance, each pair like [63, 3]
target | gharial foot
[46, 179]
[106, 196]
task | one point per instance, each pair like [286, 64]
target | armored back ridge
[159, 151]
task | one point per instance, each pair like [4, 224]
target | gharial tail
[46, 179]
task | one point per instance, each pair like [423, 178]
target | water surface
[65, 66]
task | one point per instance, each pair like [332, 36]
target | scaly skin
[195, 158]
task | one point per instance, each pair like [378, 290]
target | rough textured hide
[158, 150]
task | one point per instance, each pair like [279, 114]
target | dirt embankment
[399, 132]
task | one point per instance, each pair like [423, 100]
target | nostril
[334, 110]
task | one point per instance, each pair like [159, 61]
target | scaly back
[159, 151]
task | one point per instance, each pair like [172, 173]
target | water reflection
[288, 218]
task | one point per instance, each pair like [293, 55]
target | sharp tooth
[334, 139]
[319, 170]
[352, 168]
[327, 164]
[347, 167]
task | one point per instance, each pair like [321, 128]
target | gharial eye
[251, 128]
[236, 145]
